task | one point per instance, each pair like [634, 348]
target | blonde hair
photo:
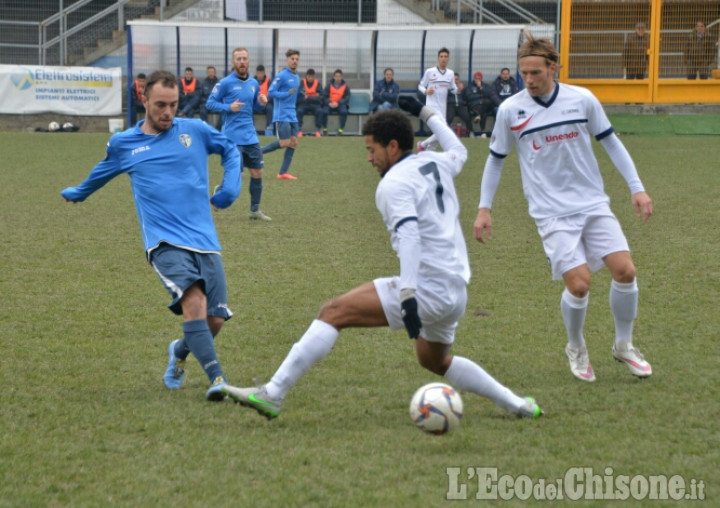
[541, 47]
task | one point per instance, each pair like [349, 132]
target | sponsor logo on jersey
[570, 111]
[138, 150]
[555, 138]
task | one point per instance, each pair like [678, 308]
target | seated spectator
[386, 92]
[505, 85]
[456, 107]
[189, 94]
[481, 100]
[137, 90]
[206, 88]
[264, 82]
[310, 102]
[337, 96]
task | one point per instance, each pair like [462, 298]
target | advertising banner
[81, 91]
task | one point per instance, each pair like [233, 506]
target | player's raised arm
[447, 138]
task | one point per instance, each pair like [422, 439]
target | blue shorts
[179, 269]
[252, 156]
[286, 130]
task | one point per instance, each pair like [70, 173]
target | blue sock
[181, 350]
[271, 147]
[200, 341]
[287, 159]
[255, 193]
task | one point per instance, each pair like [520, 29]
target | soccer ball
[67, 126]
[436, 408]
[53, 126]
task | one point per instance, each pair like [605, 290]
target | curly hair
[390, 124]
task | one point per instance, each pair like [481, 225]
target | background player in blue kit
[166, 160]
[283, 91]
[552, 125]
[236, 96]
[417, 199]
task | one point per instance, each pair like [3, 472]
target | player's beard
[161, 124]
[241, 71]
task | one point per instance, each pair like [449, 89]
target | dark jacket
[699, 51]
[206, 88]
[505, 89]
[634, 54]
[385, 92]
[480, 96]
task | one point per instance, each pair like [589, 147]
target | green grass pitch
[86, 420]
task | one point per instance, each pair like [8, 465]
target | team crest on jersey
[185, 140]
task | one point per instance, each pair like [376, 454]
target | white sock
[574, 310]
[312, 347]
[623, 304]
[467, 375]
[430, 143]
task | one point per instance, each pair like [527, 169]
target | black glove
[409, 313]
[410, 104]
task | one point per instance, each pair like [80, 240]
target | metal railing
[53, 31]
[481, 13]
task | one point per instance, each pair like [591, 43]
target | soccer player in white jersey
[435, 84]
[417, 199]
[552, 125]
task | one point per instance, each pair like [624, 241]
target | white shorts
[441, 304]
[583, 238]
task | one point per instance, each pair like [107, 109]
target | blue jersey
[239, 127]
[169, 177]
[284, 103]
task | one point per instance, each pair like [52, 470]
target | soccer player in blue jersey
[283, 91]
[166, 160]
[552, 125]
[235, 97]
[418, 202]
